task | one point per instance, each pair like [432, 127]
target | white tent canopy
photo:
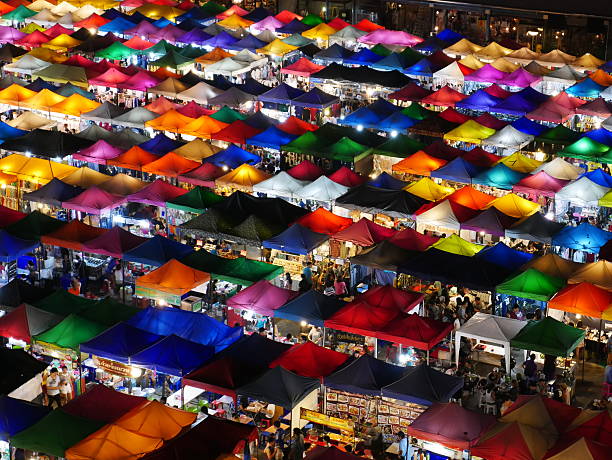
[509, 137]
[451, 72]
[249, 58]
[490, 328]
[560, 169]
[200, 93]
[441, 215]
[322, 189]
[583, 192]
[347, 35]
[280, 185]
[227, 66]
[26, 65]
[135, 118]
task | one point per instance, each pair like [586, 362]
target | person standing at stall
[297, 445]
[53, 390]
[406, 450]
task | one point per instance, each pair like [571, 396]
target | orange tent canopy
[134, 158]
[204, 126]
[244, 176]
[582, 298]
[161, 105]
[72, 235]
[170, 121]
[471, 198]
[170, 165]
[323, 221]
[137, 43]
[162, 73]
[174, 278]
[43, 100]
[418, 163]
[15, 94]
[213, 56]
[75, 105]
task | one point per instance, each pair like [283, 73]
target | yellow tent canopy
[34, 169]
[244, 176]
[606, 200]
[156, 419]
[514, 206]
[62, 42]
[32, 27]
[75, 105]
[43, 100]
[153, 11]
[463, 47]
[276, 48]
[235, 22]
[472, 62]
[504, 65]
[520, 163]
[29, 121]
[170, 121]
[45, 54]
[85, 177]
[319, 32]
[492, 51]
[197, 150]
[470, 131]
[15, 94]
[6, 179]
[588, 61]
[428, 189]
[457, 245]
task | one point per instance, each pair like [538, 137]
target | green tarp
[162, 47]
[117, 51]
[71, 332]
[345, 149]
[35, 225]
[586, 149]
[417, 111]
[241, 271]
[532, 284]
[558, 135]
[308, 143]
[109, 312]
[197, 200]
[171, 59]
[381, 50]
[19, 14]
[55, 433]
[212, 8]
[227, 115]
[400, 146]
[63, 303]
[548, 336]
[312, 20]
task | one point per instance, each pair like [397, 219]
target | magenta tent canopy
[140, 81]
[94, 200]
[390, 37]
[486, 74]
[156, 193]
[269, 23]
[204, 175]
[113, 243]
[520, 78]
[170, 33]
[98, 153]
[142, 29]
[262, 298]
[540, 184]
[10, 35]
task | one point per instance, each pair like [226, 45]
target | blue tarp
[296, 240]
[271, 138]
[17, 415]
[294, 27]
[449, 36]
[315, 98]
[312, 307]
[39, 84]
[584, 237]
[157, 251]
[173, 355]
[162, 22]
[395, 61]
[160, 144]
[397, 122]
[607, 67]
[253, 87]
[260, 121]
[500, 254]
[120, 342]
[195, 37]
[192, 326]
[117, 25]
[480, 100]
[365, 56]
[11, 247]
[527, 126]
[600, 177]
[232, 157]
[387, 181]
[335, 53]
[366, 375]
[53, 193]
[458, 170]
[249, 42]
[587, 88]
[281, 94]
[424, 385]
[520, 103]
[363, 117]
[499, 176]
[601, 135]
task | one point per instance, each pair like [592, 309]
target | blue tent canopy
[120, 342]
[364, 56]
[258, 14]
[296, 240]
[586, 88]
[16, 415]
[366, 375]
[191, 326]
[260, 121]
[294, 27]
[232, 157]
[54, 193]
[271, 138]
[162, 22]
[157, 251]
[424, 385]
[397, 122]
[249, 42]
[387, 181]
[431, 45]
[39, 84]
[253, 87]
[363, 117]
[195, 36]
[160, 144]
[449, 36]
[500, 254]
[601, 135]
[113, 14]
[316, 99]
[173, 355]
[8, 132]
[11, 247]
[458, 170]
[600, 177]
[527, 126]
[499, 176]
[585, 237]
[607, 67]
[117, 25]
[520, 103]
[281, 94]
[394, 61]
[312, 307]
[221, 40]
[480, 100]
[334, 53]
[423, 68]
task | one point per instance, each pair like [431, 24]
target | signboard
[154, 294]
[326, 420]
[112, 367]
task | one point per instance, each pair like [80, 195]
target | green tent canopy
[240, 271]
[586, 149]
[109, 312]
[35, 225]
[548, 336]
[381, 50]
[117, 51]
[60, 73]
[197, 200]
[558, 135]
[411, 56]
[19, 14]
[162, 47]
[212, 8]
[227, 115]
[400, 146]
[312, 20]
[191, 52]
[346, 150]
[532, 284]
[417, 112]
[63, 303]
[55, 433]
[308, 143]
[71, 332]
[171, 59]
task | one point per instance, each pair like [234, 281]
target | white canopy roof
[200, 93]
[281, 184]
[348, 34]
[450, 72]
[509, 137]
[322, 189]
[227, 66]
[440, 215]
[583, 192]
[560, 169]
[135, 118]
[249, 58]
[26, 65]
[564, 74]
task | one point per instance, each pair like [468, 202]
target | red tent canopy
[295, 126]
[392, 298]
[9, 216]
[578, 449]
[310, 360]
[366, 25]
[137, 43]
[323, 221]
[442, 150]
[204, 175]
[338, 23]
[593, 425]
[25, 321]
[410, 92]
[303, 68]
[364, 232]
[103, 404]
[73, 235]
[412, 240]
[237, 132]
[194, 110]
[453, 116]
[114, 243]
[480, 157]
[359, 317]
[415, 331]
[540, 183]
[488, 120]
[511, 441]
[306, 170]
[450, 425]
[445, 97]
[562, 415]
[497, 91]
[57, 30]
[347, 177]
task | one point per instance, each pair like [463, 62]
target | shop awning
[310, 360]
[548, 336]
[115, 242]
[366, 375]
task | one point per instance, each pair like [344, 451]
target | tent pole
[375, 347]
[428, 357]
[324, 334]
[123, 279]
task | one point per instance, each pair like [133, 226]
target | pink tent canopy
[194, 110]
[539, 184]
[262, 298]
[204, 175]
[94, 200]
[10, 35]
[269, 23]
[364, 233]
[112, 78]
[156, 193]
[140, 81]
[98, 152]
[114, 243]
[390, 37]
[520, 78]
[551, 111]
[487, 74]
[58, 30]
[170, 33]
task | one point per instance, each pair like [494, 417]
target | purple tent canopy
[221, 40]
[114, 243]
[94, 200]
[156, 193]
[10, 35]
[520, 78]
[491, 221]
[480, 100]
[390, 37]
[269, 23]
[262, 298]
[142, 29]
[315, 98]
[520, 103]
[98, 153]
[170, 33]
[194, 37]
[486, 74]
[294, 27]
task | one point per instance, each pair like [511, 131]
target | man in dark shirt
[530, 367]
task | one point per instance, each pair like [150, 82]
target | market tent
[515, 206]
[535, 227]
[85, 177]
[71, 332]
[61, 73]
[26, 321]
[122, 184]
[302, 68]
[366, 375]
[310, 360]
[99, 152]
[545, 414]
[72, 235]
[512, 440]
[53, 193]
[412, 240]
[156, 420]
[428, 190]
[470, 131]
[583, 192]
[457, 170]
[531, 284]
[280, 387]
[364, 233]
[16, 415]
[157, 251]
[457, 245]
[12, 247]
[63, 303]
[584, 237]
[490, 221]
[415, 331]
[424, 385]
[172, 279]
[204, 175]
[419, 163]
[592, 425]
[539, 183]
[347, 177]
[305, 171]
[311, 306]
[323, 221]
[598, 273]
[521, 102]
[34, 225]
[445, 214]
[579, 448]
[548, 336]
[385, 180]
[170, 165]
[450, 425]
[359, 317]
[47, 144]
[553, 265]
[9, 216]
[17, 291]
[282, 184]
[156, 193]
[296, 240]
[197, 200]
[113, 243]
[322, 189]
[502, 255]
[499, 176]
[94, 200]
[262, 298]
